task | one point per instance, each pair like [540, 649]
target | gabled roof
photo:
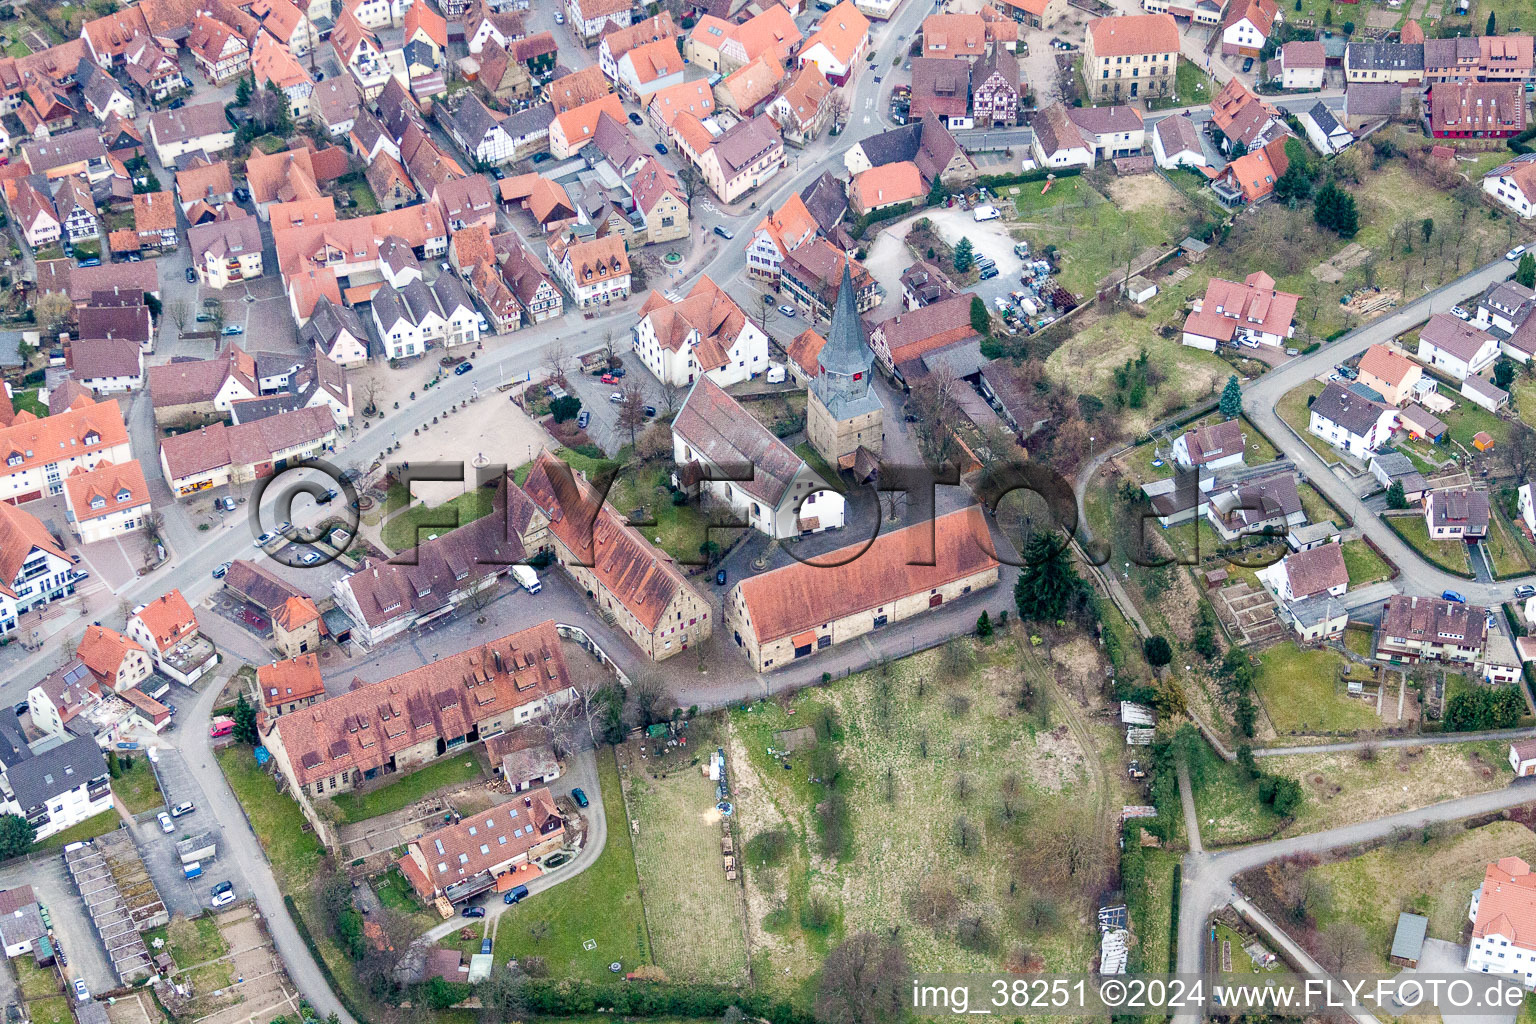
[651, 183]
[579, 123]
[707, 319]
[1133, 34]
[1450, 334]
[694, 98]
[168, 617]
[867, 575]
[1387, 365]
[1355, 413]
[190, 122]
[728, 437]
[22, 533]
[1178, 134]
[296, 679]
[577, 88]
[752, 83]
[771, 31]
[423, 17]
[1507, 903]
[843, 30]
[886, 184]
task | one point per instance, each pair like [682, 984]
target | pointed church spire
[845, 352]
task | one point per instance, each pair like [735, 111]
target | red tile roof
[297, 679]
[169, 619]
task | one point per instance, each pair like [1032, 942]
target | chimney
[527, 801]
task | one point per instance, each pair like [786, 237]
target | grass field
[460, 769]
[1191, 86]
[1292, 408]
[940, 776]
[275, 818]
[682, 528]
[1503, 547]
[1447, 554]
[602, 904]
[1464, 421]
[27, 400]
[136, 788]
[1434, 879]
[1341, 789]
[1359, 641]
[35, 982]
[190, 942]
[54, 1010]
[1154, 932]
[1364, 564]
[1227, 802]
[406, 527]
[1316, 506]
[90, 828]
[1302, 693]
[695, 915]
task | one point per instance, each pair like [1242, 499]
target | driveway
[580, 772]
[71, 925]
[1440, 957]
[180, 784]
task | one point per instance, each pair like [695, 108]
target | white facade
[746, 357]
[1459, 366]
[1361, 446]
[1301, 78]
[1496, 953]
[1066, 156]
[1506, 191]
[1183, 158]
[822, 504]
[1244, 34]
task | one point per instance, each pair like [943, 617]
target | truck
[526, 578]
[985, 212]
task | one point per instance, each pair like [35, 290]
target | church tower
[843, 413]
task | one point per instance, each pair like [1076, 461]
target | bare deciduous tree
[632, 411]
[651, 699]
[178, 313]
[1343, 943]
[837, 108]
[864, 981]
[53, 311]
[559, 361]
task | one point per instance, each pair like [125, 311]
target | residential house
[226, 250]
[1212, 447]
[720, 449]
[60, 787]
[466, 203]
[108, 501]
[1455, 347]
[1398, 63]
[1502, 904]
[738, 160]
[1470, 58]
[106, 365]
[103, 96]
[782, 230]
[647, 68]
[955, 36]
[1323, 130]
[695, 99]
[1513, 185]
[154, 219]
[167, 629]
[570, 131]
[1130, 57]
[838, 46]
[1366, 103]
[1415, 629]
[650, 601]
[1253, 313]
[420, 316]
[1247, 27]
[1390, 373]
[219, 52]
[204, 181]
[802, 105]
[290, 685]
[1268, 505]
[1251, 177]
[477, 128]
[793, 612]
[41, 453]
[1456, 513]
[200, 127]
[704, 334]
[1396, 468]
[33, 565]
[217, 455]
[593, 271]
[661, 203]
[1241, 117]
[33, 211]
[1476, 110]
[338, 332]
[1308, 585]
[589, 19]
[900, 340]
[1057, 143]
[1350, 421]
[1034, 13]
[995, 91]
[486, 851]
[941, 88]
[1303, 65]
[809, 277]
[1176, 143]
[334, 104]
[529, 281]
[885, 186]
[1483, 392]
[76, 210]
[272, 63]
[1504, 308]
[287, 24]
[748, 90]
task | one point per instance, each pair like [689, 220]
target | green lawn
[1467, 419]
[600, 905]
[136, 788]
[1315, 505]
[190, 942]
[27, 400]
[295, 854]
[1450, 555]
[362, 198]
[53, 1010]
[1292, 408]
[1302, 693]
[17, 48]
[405, 529]
[1227, 802]
[90, 828]
[1364, 564]
[1154, 927]
[819, 465]
[1503, 548]
[1191, 87]
[35, 982]
[1359, 641]
[457, 770]
[678, 530]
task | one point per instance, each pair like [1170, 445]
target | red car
[609, 378]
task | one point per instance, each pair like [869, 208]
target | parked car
[583, 418]
[243, 194]
[222, 888]
[232, 329]
[82, 993]
[220, 569]
[203, 318]
[517, 895]
[616, 397]
[661, 147]
[227, 896]
[1523, 591]
[1460, 313]
[559, 17]
[309, 557]
[463, 368]
[609, 378]
[724, 232]
[485, 947]
[720, 577]
[326, 498]
[1454, 596]
[787, 310]
[20, 709]
[473, 912]
[650, 411]
[1247, 64]
[618, 371]
[264, 539]
[988, 273]
[182, 808]
[165, 822]
[191, 276]
[579, 796]
[635, 118]
[1515, 253]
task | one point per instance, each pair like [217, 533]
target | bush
[768, 849]
[1158, 651]
[565, 408]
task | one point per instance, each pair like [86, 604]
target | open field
[1227, 802]
[1342, 788]
[406, 527]
[460, 769]
[936, 775]
[90, 828]
[190, 942]
[694, 914]
[1447, 554]
[1292, 408]
[602, 904]
[1434, 878]
[1363, 563]
[1302, 693]
[136, 787]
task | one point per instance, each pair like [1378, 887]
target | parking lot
[604, 428]
[71, 925]
[179, 784]
[988, 238]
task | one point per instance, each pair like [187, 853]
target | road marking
[866, 119]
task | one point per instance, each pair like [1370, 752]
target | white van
[526, 578]
[982, 213]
